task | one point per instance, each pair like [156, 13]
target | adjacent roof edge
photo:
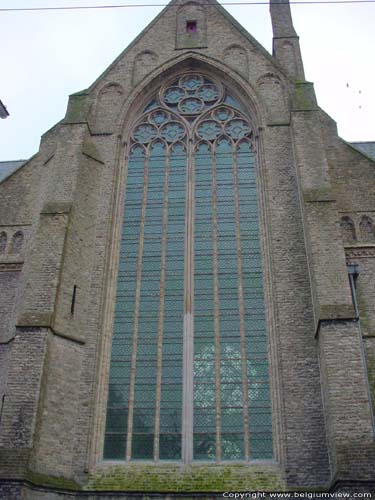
[8, 168]
[367, 148]
[3, 111]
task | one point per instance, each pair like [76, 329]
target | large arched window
[189, 373]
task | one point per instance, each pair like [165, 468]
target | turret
[286, 49]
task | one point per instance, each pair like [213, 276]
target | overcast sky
[45, 56]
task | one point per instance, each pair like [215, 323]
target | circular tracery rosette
[223, 121]
[145, 133]
[237, 128]
[159, 117]
[158, 124]
[209, 130]
[172, 131]
[191, 94]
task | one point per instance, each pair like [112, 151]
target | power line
[124, 6]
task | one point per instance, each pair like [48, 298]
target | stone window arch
[366, 228]
[3, 242]
[16, 243]
[347, 229]
[189, 367]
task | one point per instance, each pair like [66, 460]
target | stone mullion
[136, 312]
[245, 392]
[216, 312]
[188, 346]
[161, 313]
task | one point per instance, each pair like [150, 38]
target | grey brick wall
[54, 372]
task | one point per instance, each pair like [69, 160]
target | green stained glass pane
[191, 105]
[159, 117]
[204, 419]
[231, 368]
[204, 370]
[178, 151]
[261, 447]
[170, 419]
[145, 133]
[170, 446]
[172, 131]
[259, 393]
[209, 130]
[151, 105]
[192, 82]
[229, 99]
[143, 420]
[204, 395]
[223, 114]
[204, 446]
[208, 93]
[116, 420]
[203, 349]
[237, 129]
[173, 95]
[137, 153]
[232, 446]
[118, 394]
[114, 446]
[224, 152]
[232, 419]
[143, 446]
[171, 397]
[231, 394]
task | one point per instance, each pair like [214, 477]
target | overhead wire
[123, 6]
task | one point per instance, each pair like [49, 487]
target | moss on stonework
[77, 109]
[303, 98]
[163, 479]
[319, 194]
[51, 481]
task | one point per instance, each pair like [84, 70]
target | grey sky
[45, 56]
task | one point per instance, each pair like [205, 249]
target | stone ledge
[10, 266]
[54, 208]
[332, 312]
[318, 195]
[42, 320]
[202, 478]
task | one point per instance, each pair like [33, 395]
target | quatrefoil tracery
[192, 105]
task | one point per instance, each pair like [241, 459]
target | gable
[219, 36]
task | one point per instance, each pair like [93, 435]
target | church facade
[187, 269]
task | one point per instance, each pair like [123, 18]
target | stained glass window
[189, 376]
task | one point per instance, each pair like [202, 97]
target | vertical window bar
[353, 275]
[242, 311]
[161, 311]
[188, 347]
[136, 311]
[73, 303]
[216, 311]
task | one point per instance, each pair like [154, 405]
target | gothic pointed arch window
[3, 242]
[189, 376]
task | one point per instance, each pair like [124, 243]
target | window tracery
[3, 242]
[189, 368]
[347, 228]
[366, 227]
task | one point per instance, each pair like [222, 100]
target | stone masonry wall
[70, 194]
